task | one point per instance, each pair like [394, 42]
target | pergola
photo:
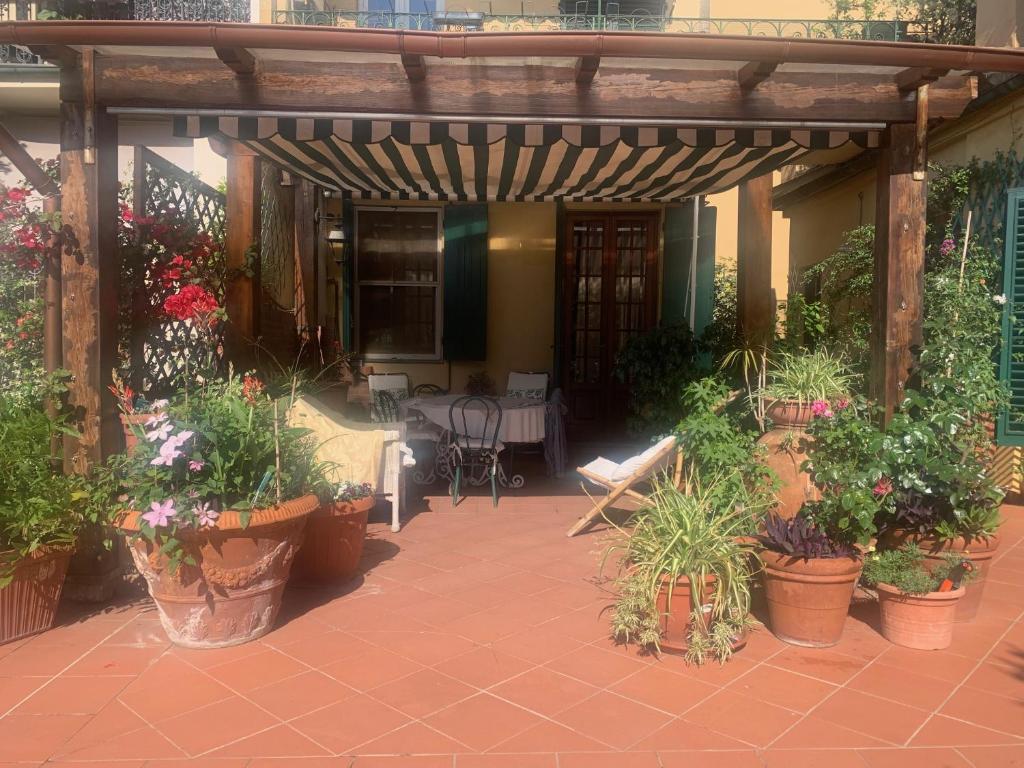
[391, 114]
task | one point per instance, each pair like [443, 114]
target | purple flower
[195, 466]
[206, 515]
[161, 432]
[160, 514]
[947, 247]
[168, 453]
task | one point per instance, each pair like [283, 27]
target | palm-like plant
[807, 376]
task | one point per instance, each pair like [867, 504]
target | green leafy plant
[722, 334]
[684, 535]
[657, 365]
[806, 376]
[904, 569]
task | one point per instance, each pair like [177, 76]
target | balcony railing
[817, 28]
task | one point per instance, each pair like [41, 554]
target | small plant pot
[676, 613]
[334, 541]
[808, 600]
[979, 551]
[233, 593]
[132, 423]
[923, 622]
[784, 454]
[28, 604]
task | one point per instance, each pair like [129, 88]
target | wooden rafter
[27, 167]
[914, 77]
[586, 69]
[753, 73]
[60, 55]
[415, 67]
[239, 60]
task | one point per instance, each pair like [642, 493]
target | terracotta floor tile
[36, 737]
[349, 723]
[782, 688]
[117, 660]
[506, 761]
[371, 669]
[485, 626]
[613, 719]
[146, 743]
[547, 736]
[198, 762]
[608, 760]
[544, 691]
[484, 666]
[912, 758]
[595, 666]
[942, 731]
[73, 696]
[399, 761]
[663, 689]
[427, 647]
[732, 759]
[987, 709]
[482, 722]
[939, 664]
[32, 660]
[325, 648]
[895, 684]
[298, 695]
[882, 719]
[998, 679]
[437, 611]
[422, 692]
[811, 758]
[714, 674]
[253, 672]
[14, 689]
[817, 733]
[411, 739]
[169, 688]
[745, 719]
[213, 657]
[585, 624]
[279, 741]
[216, 725]
[995, 757]
[823, 663]
[538, 645]
[682, 734]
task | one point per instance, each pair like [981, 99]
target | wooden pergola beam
[586, 69]
[25, 164]
[61, 55]
[415, 67]
[755, 299]
[913, 78]
[753, 73]
[238, 60]
[529, 91]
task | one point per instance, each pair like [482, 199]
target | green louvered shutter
[704, 305]
[1010, 428]
[465, 282]
[675, 271]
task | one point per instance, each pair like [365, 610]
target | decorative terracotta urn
[233, 593]
[979, 551]
[924, 622]
[334, 541]
[808, 599]
[785, 454]
[28, 604]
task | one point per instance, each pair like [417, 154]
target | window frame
[437, 285]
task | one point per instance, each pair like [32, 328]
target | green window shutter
[348, 222]
[1010, 427]
[675, 268]
[464, 336]
[704, 305]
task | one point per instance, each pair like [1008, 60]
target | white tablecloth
[522, 420]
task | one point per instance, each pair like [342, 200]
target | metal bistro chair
[428, 390]
[476, 423]
[385, 407]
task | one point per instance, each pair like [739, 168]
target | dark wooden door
[610, 268]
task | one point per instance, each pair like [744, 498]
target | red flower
[192, 302]
[23, 336]
[16, 195]
[10, 345]
[251, 388]
[883, 487]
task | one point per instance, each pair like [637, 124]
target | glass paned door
[610, 265]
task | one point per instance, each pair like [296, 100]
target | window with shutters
[398, 279]
[1011, 368]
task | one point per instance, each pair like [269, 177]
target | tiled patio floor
[476, 640]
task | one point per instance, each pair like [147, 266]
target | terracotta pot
[130, 422]
[28, 604]
[675, 613]
[334, 541]
[979, 551]
[785, 455]
[924, 622]
[808, 599]
[234, 592]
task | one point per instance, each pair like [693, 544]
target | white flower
[159, 405]
[1000, 299]
[161, 432]
[155, 419]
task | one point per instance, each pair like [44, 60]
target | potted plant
[812, 562]
[917, 604]
[685, 574]
[335, 534]
[215, 501]
[134, 411]
[799, 385]
[40, 516]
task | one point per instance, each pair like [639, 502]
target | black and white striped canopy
[410, 160]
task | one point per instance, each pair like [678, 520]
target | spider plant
[689, 535]
[807, 376]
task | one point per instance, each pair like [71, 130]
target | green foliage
[722, 336]
[807, 376]
[682, 535]
[657, 365]
[904, 569]
[934, 21]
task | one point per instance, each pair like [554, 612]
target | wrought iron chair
[428, 390]
[394, 384]
[475, 447]
[385, 407]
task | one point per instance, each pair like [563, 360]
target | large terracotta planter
[979, 551]
[785, 455]
[233, 593]
[130, 422]
[676, 613]
[334, 541]
[808, 599]
[924, 622]
[28, 604]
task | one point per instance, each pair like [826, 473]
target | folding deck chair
[619, 479]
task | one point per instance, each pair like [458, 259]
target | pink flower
[842, 404]
[195, 466]
[161, 432]
[155, 419]
[821, 409]
[182, 437]
[168, 453]
[883, 487]
[947, 247]
[206, 515]
[160, 514]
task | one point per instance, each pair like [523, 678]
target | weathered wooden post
[242, 235]
[755, 300]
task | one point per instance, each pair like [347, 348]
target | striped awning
[410, 160]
